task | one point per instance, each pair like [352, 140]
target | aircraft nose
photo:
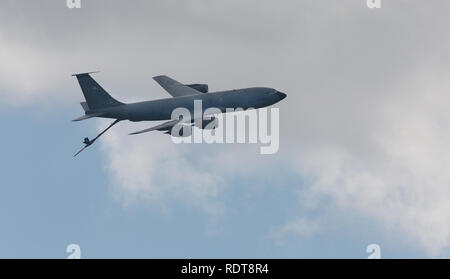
[281, 95]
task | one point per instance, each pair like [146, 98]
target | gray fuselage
[255, 97]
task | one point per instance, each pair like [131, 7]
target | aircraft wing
[162, 127]
[175, 88]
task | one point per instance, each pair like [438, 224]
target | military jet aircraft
[100, 104]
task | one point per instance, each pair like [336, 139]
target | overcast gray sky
[365, 125]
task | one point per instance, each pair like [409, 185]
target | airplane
[100, 104]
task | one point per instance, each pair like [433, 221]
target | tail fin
[96, 97]
[85, 106]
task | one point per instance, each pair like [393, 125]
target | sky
[364, 132]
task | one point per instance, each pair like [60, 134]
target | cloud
[154, 170]
[400, 179]
[365, 122]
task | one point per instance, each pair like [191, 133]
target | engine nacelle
[199, 87]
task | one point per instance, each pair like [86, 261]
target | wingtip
[135, 133]
[159, 77]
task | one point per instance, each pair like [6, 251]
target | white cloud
[24, 69]
[151, 169]
[366, 118]
[400, 179]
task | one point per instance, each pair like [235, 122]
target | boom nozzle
[88, 142]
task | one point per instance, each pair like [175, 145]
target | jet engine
[199, 87]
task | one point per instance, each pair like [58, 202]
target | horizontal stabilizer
[87, 116]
